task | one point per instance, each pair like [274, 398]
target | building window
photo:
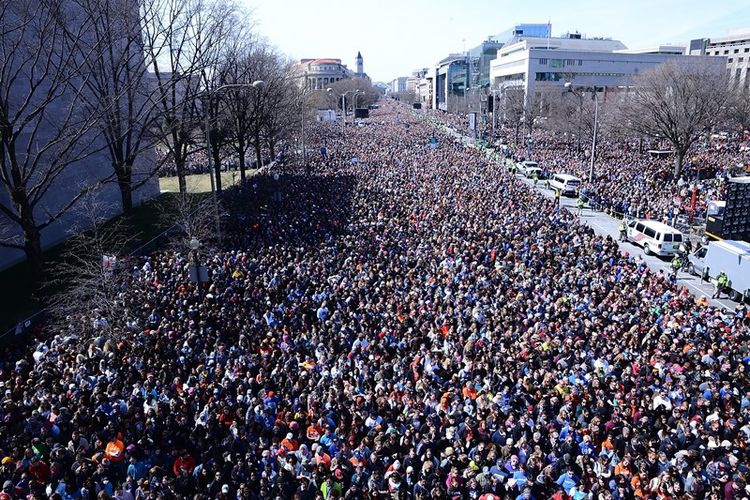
[548, 77]
[542, 61]
[747, 50]
[557, 63]
[580, 62]
[736, 51]
[731, 59]
[726, 52]
[716, 53]
[740, 59]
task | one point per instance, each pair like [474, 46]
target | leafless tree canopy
[182, 40]
[678, 101]
[738, 107]
[87, 280]
[521, 111]
[572, 113]
[367, 93]
[117, 90]
[121, 78]
[44, 127]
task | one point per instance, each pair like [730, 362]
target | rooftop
[565, 43]
[320, 61]
[659, 49]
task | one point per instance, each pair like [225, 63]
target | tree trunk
[241, 157]
[126, 186]
[271, 148]
[33, 248]
[258, 156]
[180, 167]
[215, 152]
[679, 156]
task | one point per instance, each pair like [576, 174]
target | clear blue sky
[397, 36]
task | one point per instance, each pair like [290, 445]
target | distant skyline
[397, 37]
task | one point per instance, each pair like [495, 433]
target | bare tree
[407, 96]
[566, 113]
[282, 103]
[87, 282]
[738, 106]
[44, 129]
[242, 103]
[230, 37]
[117, 89]
[367, 93]
[521, 110]
[182, 40]
[191, 214]
[678, 100]
[575, 113]
[265, 63]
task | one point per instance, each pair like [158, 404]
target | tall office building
[735, 47]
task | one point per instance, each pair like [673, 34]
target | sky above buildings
[398, 36]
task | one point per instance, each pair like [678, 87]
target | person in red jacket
[183, 461]
[39, 470]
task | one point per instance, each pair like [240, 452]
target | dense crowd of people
[629, 178]
[401, 320]
[199, 163]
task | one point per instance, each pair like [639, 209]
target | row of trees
[117, 79]
[679, 102]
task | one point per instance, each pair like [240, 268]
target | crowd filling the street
[402, 318]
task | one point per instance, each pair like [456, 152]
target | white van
[654, 237]
[565, 184]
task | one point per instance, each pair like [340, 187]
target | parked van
[527, 168]
[654, 237]
[564, 183]
[730, 257]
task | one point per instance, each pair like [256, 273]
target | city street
[396, 304]
[603, 223]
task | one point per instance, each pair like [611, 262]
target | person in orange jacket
[290, 443]
[115, 449]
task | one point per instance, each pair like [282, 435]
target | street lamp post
[529, 145]
[569, 87]
[194, 244]
[354, 102]
[494, 111]
[593, 141]
[258, 84]
[343, 105]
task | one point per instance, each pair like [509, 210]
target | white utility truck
[731, 257]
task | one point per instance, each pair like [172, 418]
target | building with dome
[319, 74]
